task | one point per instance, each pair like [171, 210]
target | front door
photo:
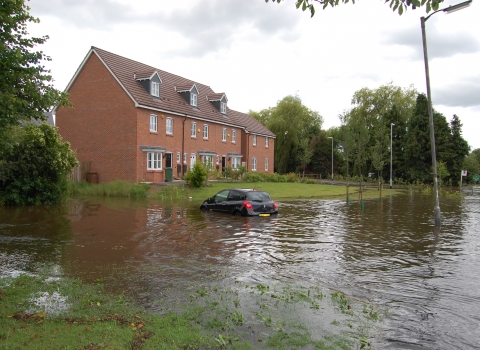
[224, 162]
[168, 160]
[193, 160]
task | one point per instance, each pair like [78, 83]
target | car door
[220, 201]
[235, 200]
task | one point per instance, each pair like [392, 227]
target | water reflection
[389, 253]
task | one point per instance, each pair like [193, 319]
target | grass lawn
[278, 190]
[291, 191]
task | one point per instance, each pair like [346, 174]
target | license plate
[264, 215]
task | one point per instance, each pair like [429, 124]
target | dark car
[241, 201]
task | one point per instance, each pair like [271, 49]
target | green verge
[39, 312]
[278, 190]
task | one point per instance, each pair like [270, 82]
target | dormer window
[219, 101]
[150, 80]
[189, 92]
[155, 88]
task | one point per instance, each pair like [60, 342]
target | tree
[472, 164]
[26, 91]
[459, 148]
[295, 125]
[395, 5]
[34, 169]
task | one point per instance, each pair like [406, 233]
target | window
[254, 140]
[235, 162]
[266, 141]
[154, 160]
[234, 135]
[205, 131]
[254, 164]
[185, 158]
[223, 107]
[224, 134]
[266, 164]
[155, 89]
[193, 99]
[153, 122]
[178, 157]
[218, 159]
[207, 161]
[193, 130]
[170, 126]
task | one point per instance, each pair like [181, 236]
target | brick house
[131, 121]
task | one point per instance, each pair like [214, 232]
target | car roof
[243, 189]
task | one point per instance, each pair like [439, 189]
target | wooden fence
[79, 173]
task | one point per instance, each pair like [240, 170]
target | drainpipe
[183, 146]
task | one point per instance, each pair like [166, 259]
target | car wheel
[237, 213]
[204, 208]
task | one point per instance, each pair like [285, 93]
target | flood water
[388, 254]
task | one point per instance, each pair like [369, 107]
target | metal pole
[432, 131]
[391, 152]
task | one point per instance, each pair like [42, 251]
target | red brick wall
[260, 152]
[173, 144]
[102, 125]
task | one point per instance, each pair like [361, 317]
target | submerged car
[241, 201]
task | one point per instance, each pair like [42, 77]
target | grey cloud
[462, 94]
[438, 44]
[207, 26]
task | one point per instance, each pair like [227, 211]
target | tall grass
[109, 189]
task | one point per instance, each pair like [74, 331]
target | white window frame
[234, 136]
[207, 161]
[205, 131]
[224, 134]
[254, 140]
[266, 164]
[154, 160]
[155, 88]
[193, 99]
[235, 162]
[266, 141]
[193, 129]
[218, 159]
[223, 107]
[178, 157]
[184, 158]
[169, 126]
[254, 164]
[153, 122]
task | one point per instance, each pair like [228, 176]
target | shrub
[34, 168]
[197, 176]
[292, 177]
[254, 177]
[276, 178]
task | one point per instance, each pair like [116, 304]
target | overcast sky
[258, 53]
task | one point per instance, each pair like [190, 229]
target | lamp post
[332, 154]
[429, 97]
[391, 152]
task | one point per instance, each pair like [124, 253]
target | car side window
[235, 196]
[221, 196]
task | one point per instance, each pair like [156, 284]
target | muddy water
[387, 254]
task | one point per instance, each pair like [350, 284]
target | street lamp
[332, 154]
[391, 152]
[447, 10]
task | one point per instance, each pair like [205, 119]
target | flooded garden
[408, 284]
